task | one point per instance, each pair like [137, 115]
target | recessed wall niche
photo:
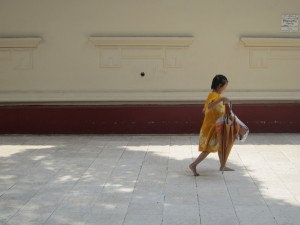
[262, 51]
[158, 53]
[18, 52]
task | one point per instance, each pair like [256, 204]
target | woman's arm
[213, 104]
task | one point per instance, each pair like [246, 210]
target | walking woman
[214, 108]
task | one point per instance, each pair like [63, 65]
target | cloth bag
[243, 130]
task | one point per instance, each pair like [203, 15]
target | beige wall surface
[71, 62]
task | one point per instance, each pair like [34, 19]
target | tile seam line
[165, 188]
[191, 148]
[60, 202]
[283, 183]
[255, 183]
[38, 164]
[131, 137]
[281, 179]
[99, 196]
[95, 199]
[231, 199]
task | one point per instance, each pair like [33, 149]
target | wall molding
[152, 54]
[263, 50]
[31, 42]
[18, 52]
[142, 96]
[270, 42]
[142, 41]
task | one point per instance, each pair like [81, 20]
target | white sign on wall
[289, 23]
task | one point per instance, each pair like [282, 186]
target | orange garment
[208, 137]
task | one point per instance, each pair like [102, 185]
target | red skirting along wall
[139, 119]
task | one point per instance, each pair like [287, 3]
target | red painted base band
[139, 119]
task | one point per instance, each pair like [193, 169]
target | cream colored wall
[67, 66]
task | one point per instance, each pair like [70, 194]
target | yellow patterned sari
[208, 137]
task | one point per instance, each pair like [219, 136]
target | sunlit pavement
[144, 180]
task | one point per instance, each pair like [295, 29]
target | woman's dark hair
[218, 81]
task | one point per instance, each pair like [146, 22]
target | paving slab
[144, 179]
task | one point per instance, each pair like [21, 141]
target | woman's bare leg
[200, 158]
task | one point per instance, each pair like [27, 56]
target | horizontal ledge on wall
[270, 42]
[140, 96]
[31, 42]
[142, 41]
[137, 103]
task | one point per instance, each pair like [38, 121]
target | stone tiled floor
[135, 180]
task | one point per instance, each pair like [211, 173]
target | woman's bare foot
[193, 169]
[226, 169]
